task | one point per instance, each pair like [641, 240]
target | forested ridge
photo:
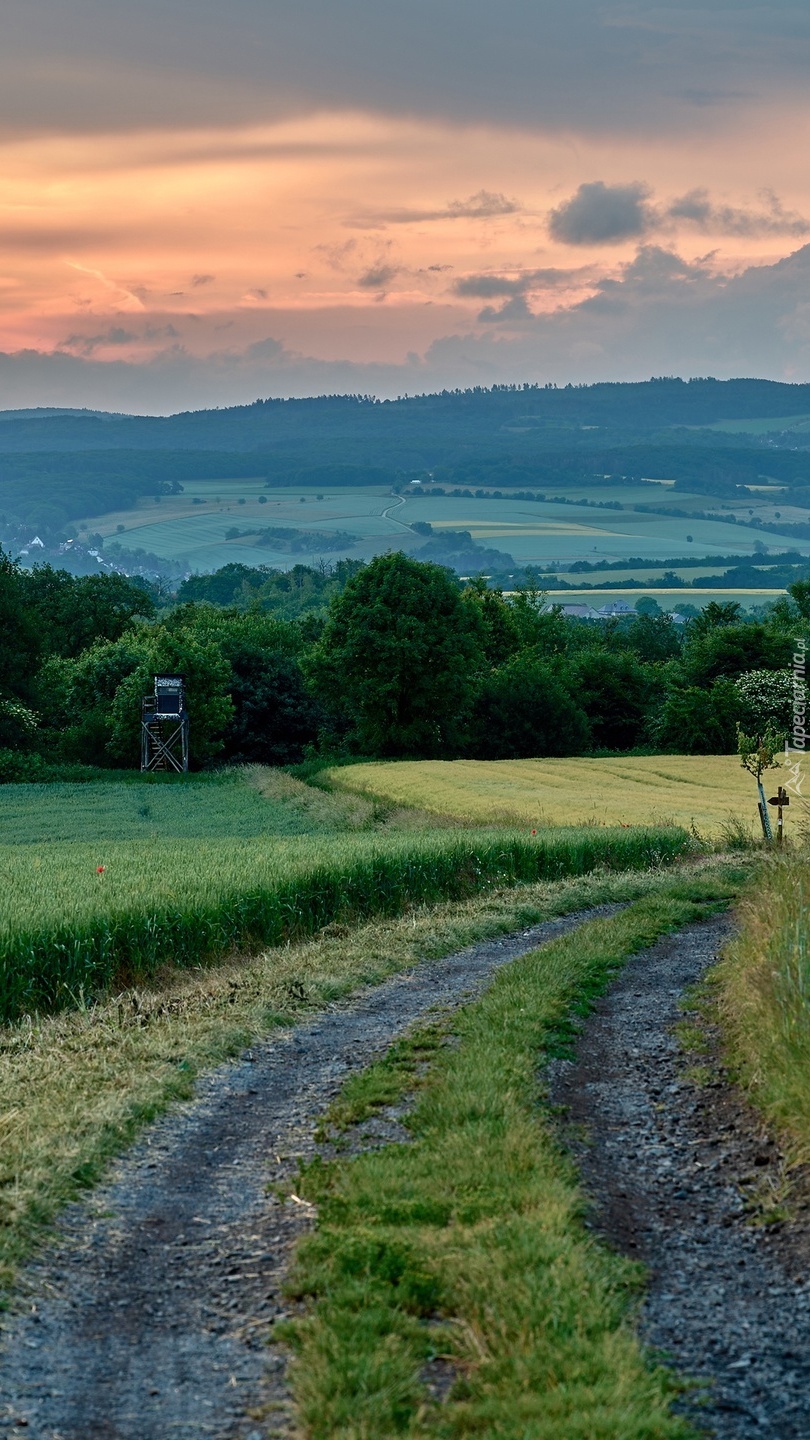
[57, 469]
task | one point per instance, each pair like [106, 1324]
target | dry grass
[763, 990]
[709, 792]
[77, 1086]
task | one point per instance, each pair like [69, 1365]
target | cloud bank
[660, 315]
[105, 64]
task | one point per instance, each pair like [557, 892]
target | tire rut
[722, 1305]
[148, 1318]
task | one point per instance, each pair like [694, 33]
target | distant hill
[415, 430]
[57, 466]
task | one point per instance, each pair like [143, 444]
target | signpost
[780, 800]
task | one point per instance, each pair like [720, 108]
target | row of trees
[399, 660]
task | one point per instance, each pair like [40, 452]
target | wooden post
[781, 799]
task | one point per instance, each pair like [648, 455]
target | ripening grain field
[708, 792]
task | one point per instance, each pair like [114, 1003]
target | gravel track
[148, 1318]
[727, 1302]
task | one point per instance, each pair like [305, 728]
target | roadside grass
[80, 918]
[760, 992]
[464, 1252]
[77, 1087]
[704, 792]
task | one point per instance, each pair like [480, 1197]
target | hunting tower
[164, 726]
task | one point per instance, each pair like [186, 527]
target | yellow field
[705, 790]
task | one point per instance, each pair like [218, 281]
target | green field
[771, 425]
[239, 805]
[669, 599]
[108, 902]
[177, 528]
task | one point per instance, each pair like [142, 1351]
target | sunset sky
[204, 203]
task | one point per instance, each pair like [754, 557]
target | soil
[683, 1177]
[148, 1318]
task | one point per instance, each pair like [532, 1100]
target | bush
[697, 721]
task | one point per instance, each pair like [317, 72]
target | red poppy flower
[534, 832]
[100, 869]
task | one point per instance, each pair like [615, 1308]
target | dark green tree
[699, 720]
[20, 640]
[275, 716]
[616, 692]
[525, 709]
[732, 649]
[497, 624]
[652, 637]
[72, 612]
[398, 659]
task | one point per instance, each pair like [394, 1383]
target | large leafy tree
[525, 708]
[615, 690]
[398, 659]
[72, 612]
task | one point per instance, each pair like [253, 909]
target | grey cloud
[87, 344]
[585, 65]
[514, 309]
[698, 209]
[482, 205]
[378, 276]
[116, 335]
[198, 280]
[515, 288]
[485, 205]
[600, 214]
[484, 287]
[661, 316]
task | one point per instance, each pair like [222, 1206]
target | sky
[202, 204]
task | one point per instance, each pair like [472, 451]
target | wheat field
[707, 792]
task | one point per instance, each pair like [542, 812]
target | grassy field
[239, 804]
[704, 791]
[467, 1246]
[191, 870]
[192, 526]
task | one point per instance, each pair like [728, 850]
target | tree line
[394, 658]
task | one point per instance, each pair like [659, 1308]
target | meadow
[241, 804]
[192, 527]
[709, 793]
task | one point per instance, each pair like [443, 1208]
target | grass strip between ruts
[76, 1087]
[466, 1248]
